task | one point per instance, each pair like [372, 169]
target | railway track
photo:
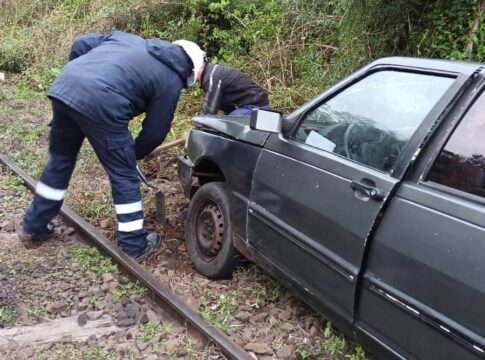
[169, 302]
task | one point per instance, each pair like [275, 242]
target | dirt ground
[252, 308]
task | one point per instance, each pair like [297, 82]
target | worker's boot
[30, 239]
[153, 243]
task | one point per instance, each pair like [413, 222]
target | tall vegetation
[294, 48]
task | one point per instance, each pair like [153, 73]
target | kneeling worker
[230, 90]
[108, 81]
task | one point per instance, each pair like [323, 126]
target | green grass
[87, 258]
[21, 139]
[68, 351]
[124, 291]
[192, 351]
[14, 200]
[152, 329]
[330, 342]
[95, 206]
[96, 353]
[334, 344]
[94, 300]
[36, 313]
[263, 288]
[358, 354]
[16, 183]
[6, 315]
[220, 309]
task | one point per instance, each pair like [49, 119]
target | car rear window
[461, 163]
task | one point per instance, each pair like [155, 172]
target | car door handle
[368, 190]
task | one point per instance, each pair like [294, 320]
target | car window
[371, 121]
[461, 163]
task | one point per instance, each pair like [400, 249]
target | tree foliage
[294, 48]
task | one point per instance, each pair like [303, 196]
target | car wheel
[208, 233]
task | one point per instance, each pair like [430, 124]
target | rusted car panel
[354, 206]
[236, 127]
[217, 156]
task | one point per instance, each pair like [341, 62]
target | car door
[316, 195]
[424, 288]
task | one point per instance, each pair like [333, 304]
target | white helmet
[196, 55]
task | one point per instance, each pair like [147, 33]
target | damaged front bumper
[185, 170]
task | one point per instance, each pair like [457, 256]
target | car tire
[208, 232]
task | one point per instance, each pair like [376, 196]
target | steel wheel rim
[209, 230]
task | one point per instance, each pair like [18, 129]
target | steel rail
[164, 297]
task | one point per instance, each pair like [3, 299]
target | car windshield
[394, 100]
[372, 120]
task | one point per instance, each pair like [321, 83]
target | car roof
[432, 64]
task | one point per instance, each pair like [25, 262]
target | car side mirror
[266, 120]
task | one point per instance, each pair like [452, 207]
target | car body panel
[422, 261]
[237, 168]
[442, 244]
[236, 127]
[306, 213]
[326, 225]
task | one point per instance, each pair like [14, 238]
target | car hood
[236, 127]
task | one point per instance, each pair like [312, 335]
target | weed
[264, 287]
[131, 288]
[9, 201]
[5, 315]
[16, 183]
[63, 351]
[36, 313]
[95, 206]
[219, 310]
[192, 352]
[304, 353]
[152, 329]
[93, 300]
[95, 353]
[333, 344]
[69, 351]
[359, 354]
[88, 258]
[276, 324]
[13, 200]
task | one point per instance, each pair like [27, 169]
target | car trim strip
[263, 215]
[432, 321]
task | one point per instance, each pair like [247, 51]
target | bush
[293, 48]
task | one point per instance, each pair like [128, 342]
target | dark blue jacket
[111, 79]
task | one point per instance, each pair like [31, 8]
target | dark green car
[368, 202]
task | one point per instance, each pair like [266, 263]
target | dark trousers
[114, 149]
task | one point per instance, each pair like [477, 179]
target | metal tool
[159, 197]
